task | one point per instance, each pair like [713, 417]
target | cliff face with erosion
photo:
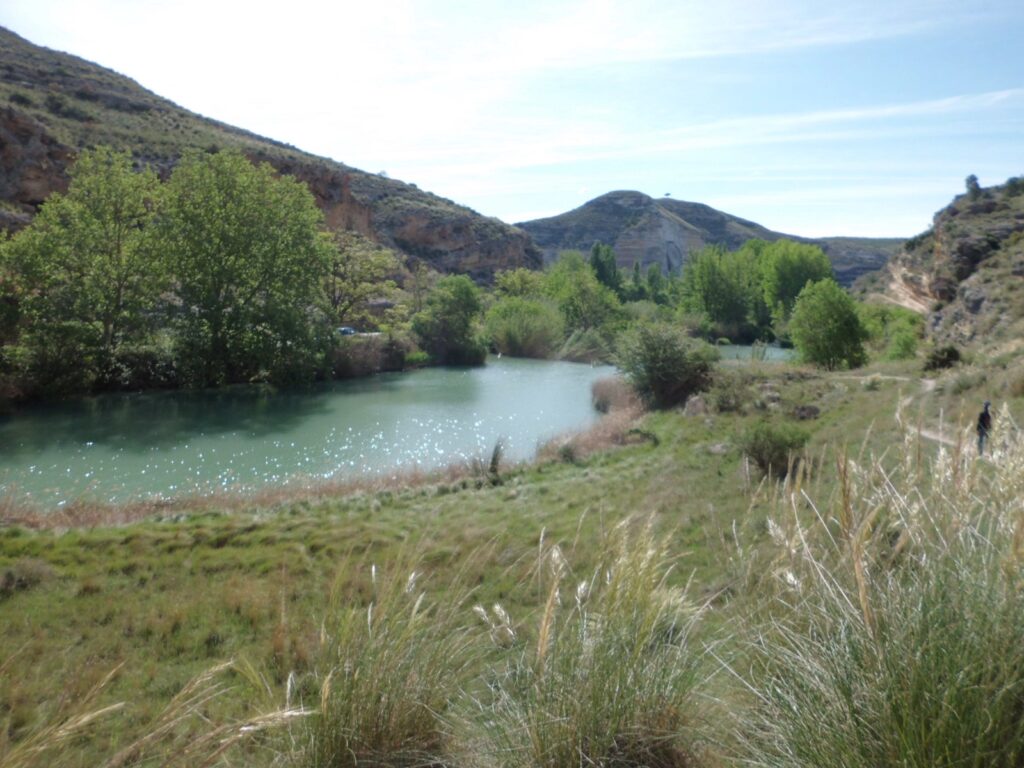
[665, 232]
[53, 104]
[966, 273]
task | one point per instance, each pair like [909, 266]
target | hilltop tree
[250, 262]
[84, 271]
[973, 187]
[826, 328]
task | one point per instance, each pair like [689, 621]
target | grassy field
[155, 603]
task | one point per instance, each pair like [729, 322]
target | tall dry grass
[894, 635]
[610, 674]
[389, 669]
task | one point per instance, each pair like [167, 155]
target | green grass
[164, 600]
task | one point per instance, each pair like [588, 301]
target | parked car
[346, 330]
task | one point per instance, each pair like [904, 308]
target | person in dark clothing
[984, 427]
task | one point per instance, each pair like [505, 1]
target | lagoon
[119, 448]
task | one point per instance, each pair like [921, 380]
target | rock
[719, 449]
[695, 406]
[806, 412]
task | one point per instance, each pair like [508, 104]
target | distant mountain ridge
[53, 104]
[666, 231]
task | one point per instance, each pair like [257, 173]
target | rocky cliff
[966, 273]
[665, 231]
[53, 104]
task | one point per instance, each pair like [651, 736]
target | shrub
[731, 391]
[612, 393]
[825, 327]
[664, 365]
[902, 345]
[525, 327]
[942, 357]
[773, 446]
[586, 346]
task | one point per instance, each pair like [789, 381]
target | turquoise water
[158, 445]
[744, 351]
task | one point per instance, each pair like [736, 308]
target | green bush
[664, 365]
[825, 327]
[773, 446]
[902, 345]
[942, 357]
[523, 327]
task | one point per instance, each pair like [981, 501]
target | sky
[811, 117]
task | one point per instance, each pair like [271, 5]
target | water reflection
[127, 446]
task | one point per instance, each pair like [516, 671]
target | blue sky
[812, 118]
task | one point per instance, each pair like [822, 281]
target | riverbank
[81, 602]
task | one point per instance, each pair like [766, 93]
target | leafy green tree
[447, 326]
[825, 327]
[519, 282]
[787, 267]
[657, 285]
[664, 365]
[602, 261]
[250, 261]
[711, 288]
[360, 270]
[524, 327]
[583, 301]
[85, 276]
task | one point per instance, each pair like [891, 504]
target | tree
[447, 325]
[360, 270]
[520, 282]
[664, 365]
[524, 327]
[250, 262]
[786, 268]
[825, 327]
[583, 301]
[973, 187]
[84, 269]
[606, 270]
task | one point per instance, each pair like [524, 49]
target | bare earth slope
[666, 231]
[53, 104]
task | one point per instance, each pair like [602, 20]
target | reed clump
[895, 636]
[609, 676]
[389, 669]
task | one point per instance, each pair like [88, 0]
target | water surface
[123, 447]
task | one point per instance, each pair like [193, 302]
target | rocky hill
[966, 273]
[53, 104]
[666, 231]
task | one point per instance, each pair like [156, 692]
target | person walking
[984, 427]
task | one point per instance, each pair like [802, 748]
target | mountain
[667, 231]
[966, 273]
[53, 104]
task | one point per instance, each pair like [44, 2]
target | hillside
[965, 272]
[666, 231]
[53, 104]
